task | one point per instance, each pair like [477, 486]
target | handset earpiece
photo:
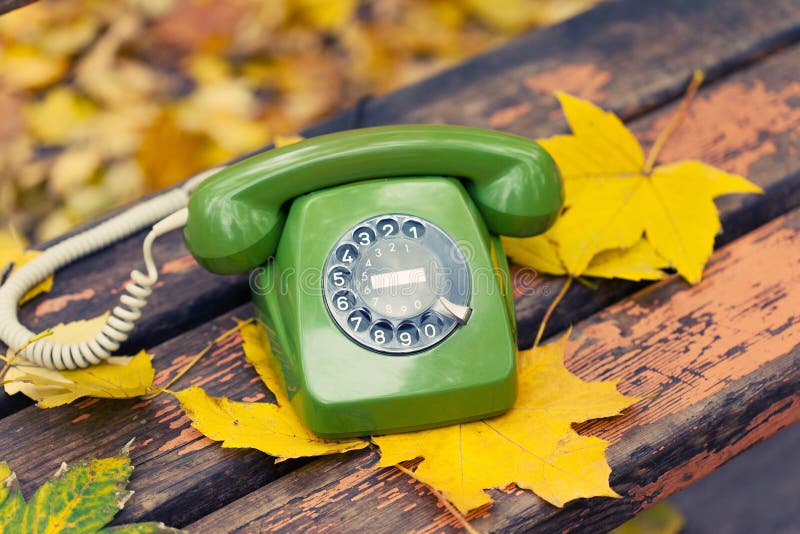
[236, 217]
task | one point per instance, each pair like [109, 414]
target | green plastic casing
[342, 389]
[282, 211]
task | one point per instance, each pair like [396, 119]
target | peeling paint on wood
[585, 81]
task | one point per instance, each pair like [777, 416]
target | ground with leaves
[104, 101]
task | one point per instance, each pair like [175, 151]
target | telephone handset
[235, 218]
[380, 281]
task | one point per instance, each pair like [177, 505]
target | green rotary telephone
[379, 278]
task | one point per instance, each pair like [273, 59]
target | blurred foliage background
[103, 101]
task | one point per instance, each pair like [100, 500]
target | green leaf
[141, 528]
[11, 500]
[79, 498]
[662, 518]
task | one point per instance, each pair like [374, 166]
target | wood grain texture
[630, 56]
[191, 296]
[180, 475]
[720, 362]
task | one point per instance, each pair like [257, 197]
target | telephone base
[343, 388]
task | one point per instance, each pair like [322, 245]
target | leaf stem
[550, 309]
[675, 121]
[195, 359]
[10, 360]
[442, 499]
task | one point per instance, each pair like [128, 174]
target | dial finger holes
[344, 300]
[388, 227]
[407, 334]
[359, 320]
[383, 277]
[381, 332]
[431, 324]
[347, 253]
[339, 277]
[413, 229]
[364, 236]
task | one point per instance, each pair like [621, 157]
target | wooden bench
[724, 355]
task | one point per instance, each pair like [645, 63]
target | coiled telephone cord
[168, 211]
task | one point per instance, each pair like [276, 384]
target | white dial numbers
[384, 277]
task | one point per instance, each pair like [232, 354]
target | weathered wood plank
[180, 475]
[631, 56]
[640, 65]
[723, 356]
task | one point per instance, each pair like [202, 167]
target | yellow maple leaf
[532, 445]
[258, 354]
[613, 197]
[639, 262]
[274, 429]
[12, 251]
[119, 377]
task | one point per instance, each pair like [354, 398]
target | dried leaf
[516, 15]
[224, 111]
[12, 251]
[532, 445]
[326, 14]
[150, 527]
[271, 428]
[119, 377]
[70, 36]
[639, 262]
[27, 67]
[73, 169]
[258, 354]
[79, 498]
[58, 117]
[183, 148]
[612, 202]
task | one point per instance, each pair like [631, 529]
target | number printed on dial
[384, 278]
